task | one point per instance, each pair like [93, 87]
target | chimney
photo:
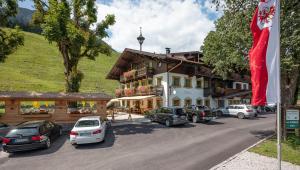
[168, 50]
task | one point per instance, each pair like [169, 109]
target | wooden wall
[13, 114]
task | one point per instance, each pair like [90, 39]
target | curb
[238, 154]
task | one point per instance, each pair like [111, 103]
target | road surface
[149, 147]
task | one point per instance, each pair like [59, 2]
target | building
[25, 106]
[150, 80]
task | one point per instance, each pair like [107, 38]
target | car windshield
[87, 123]
[22, 132]
[179, 112]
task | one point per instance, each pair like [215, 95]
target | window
[221, 103]
[144, 82]
[150, 82]
[238, 86]
[176, 101]
[199, 83]
[150, 104]
[188, 83]
[207, 102]
[206, 84]
[188, 102]
[37, 107]
[176, 81]
[158, 81]
[2, 107]
[150, 64]
[199, 102]
[159, 103]
[245, 86]
[87, 123]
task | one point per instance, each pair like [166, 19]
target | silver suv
[241, 111]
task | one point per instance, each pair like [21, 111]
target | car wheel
[219, 113]
[241, 115]
[48, 143]
[195, 118]
[168, 123]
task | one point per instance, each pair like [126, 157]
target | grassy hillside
[38, 66]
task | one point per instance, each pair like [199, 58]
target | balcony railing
[219, 91]
[135, 74]
[140, 91]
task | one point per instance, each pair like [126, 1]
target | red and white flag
[264, 54]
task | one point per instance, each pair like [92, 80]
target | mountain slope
[38, 66]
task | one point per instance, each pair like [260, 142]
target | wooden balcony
[219, 91]
[137, 74]
[140, 91]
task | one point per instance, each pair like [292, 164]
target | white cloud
[177, 24]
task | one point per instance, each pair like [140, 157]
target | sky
[180, 25]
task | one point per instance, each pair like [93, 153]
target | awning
[136, 97]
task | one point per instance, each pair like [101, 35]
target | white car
[241, 111]
[90, 129]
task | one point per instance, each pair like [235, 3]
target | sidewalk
[249, 161]
[122, 118]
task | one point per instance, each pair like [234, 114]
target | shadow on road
[213, 123]
[261, 134]
[56, 145]
[131, 129]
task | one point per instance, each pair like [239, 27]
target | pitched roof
[7, 95]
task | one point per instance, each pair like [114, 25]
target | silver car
[241, 111]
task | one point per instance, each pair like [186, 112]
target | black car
[198, 113]
[31, 135]
[4, 128]
[168, 115]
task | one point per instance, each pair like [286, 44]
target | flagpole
[279, 98]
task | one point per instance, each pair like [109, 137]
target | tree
[9, 39]
[227, 48]
[68, 23]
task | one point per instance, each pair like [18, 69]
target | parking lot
[150, 146]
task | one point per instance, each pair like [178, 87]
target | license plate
[85, 134]
[20, 140]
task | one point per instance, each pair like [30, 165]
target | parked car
[169, 116]
[90, 129]
[241, 111]
[31, 135]
[4, 129]
[198, 113]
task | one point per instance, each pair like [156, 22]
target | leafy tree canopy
[68, 23]
[227, 48]
[9, 39]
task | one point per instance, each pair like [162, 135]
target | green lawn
[38, 66]
[290, 149]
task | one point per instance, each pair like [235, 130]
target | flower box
[129, 92]
[143, 89]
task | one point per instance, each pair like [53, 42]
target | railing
[219, 91]
[133, 74]
[141, 91]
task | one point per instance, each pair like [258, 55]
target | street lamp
[141, 39]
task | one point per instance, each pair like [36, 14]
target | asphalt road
[149, 146]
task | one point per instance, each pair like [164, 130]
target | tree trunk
[289, 85]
